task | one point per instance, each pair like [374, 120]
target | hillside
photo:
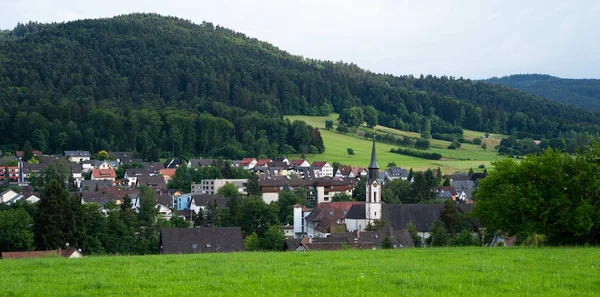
[466, 157]
[163, 86]
[401, 272]
[584, 93]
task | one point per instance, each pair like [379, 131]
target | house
[68, 253]
[132, 174]
[199, 163]
[77, 173]
[247, 163]
[173, 163]
[13, 173]
[212, 186]
[10, 196]
[35, 153]
[344, 171]
[157, 183]
[77, 156]
[398, 216]
[263, 162]
[92, 185]
[324, 219]
[200, 201]
[355, 240]
[104, 174]
[317, 190]
[121, 157]
[445, 193]
[107, 164]
[393, 173]
[100, 198]
[299, 163]
[167, 174]
[282, 159]
[201, 240]
[322, 169]
[358, 172]
[32, 198]
[464, 190]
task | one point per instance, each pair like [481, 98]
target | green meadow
[336, 145]
[401, 272]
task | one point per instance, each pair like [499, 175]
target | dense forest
[584, 93]
[164, 86]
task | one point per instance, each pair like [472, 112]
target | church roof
[373, 164]
[357, 212]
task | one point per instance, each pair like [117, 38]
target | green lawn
[403, 272]
[466, 157]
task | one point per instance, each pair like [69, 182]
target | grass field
[466, 157]
[402, 272]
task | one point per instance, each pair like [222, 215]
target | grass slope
[402, 272]
[468, 156]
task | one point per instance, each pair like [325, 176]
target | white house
[322, 169]
[77, 156]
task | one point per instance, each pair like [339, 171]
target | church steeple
[373, 166]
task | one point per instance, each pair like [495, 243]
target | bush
[418, 154]
[342, 128]
[534, 240]
[422, 144]
[477, 141]
[454, 145]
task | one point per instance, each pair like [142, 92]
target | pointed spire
[373, 164]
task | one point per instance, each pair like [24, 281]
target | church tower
[373, 199]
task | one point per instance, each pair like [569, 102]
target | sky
[471, 39]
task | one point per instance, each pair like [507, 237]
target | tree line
[163, 86]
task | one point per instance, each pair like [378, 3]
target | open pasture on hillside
[336, 145]
[401, 272]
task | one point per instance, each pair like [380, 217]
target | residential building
[317, 190]
[13, 173]
[322, 169]
[167, 174]
[157, 183]
[201, 240]
[35, 153]
[122, 157]
[393, 173]
[173, 163]
[10, 196]
[212, 186]
[104, 174]
[78, 156]
[199, 163]
[247, 163]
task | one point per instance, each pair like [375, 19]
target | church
[329, 218]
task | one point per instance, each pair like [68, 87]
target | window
[194, 246]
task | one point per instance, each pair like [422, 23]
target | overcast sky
[474, 39]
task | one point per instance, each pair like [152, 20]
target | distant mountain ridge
[583, 93]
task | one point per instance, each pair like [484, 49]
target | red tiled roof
[104, 173]
[319, 164]
[262, 162]
[296, 162]
[246, 161]
[168, 172]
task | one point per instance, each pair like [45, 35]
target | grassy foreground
[336, 144]
[407, 272]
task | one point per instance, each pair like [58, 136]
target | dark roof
[463, 185]
[201, 240]
[397, 172]
[357, 212]
[189, 215]
[196, 163]
[131, 172]
[164, 198]
[172, 163]
[77, 153]
[397, 216]
[401, 238]
[155, 182]
[278, 164]
[203, 199]
[327, 214]
[459, 176]
[373, 164]
[91, 184]
[99, 198]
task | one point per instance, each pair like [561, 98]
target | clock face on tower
[374, 185]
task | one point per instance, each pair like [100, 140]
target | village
[322, 224]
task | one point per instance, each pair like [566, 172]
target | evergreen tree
[386, 243]
[450, 216]
[253, 187]
[27, 151]
[57, 220]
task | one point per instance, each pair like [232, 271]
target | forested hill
[584, 93]
[158, 85]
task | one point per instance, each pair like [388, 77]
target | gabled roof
[155, 182]
[327, 214]
[170, 172]
[298, 162]
[357, 212]
[344, 170]
[276, 164]
[104, 173]
[263, 162]
[91, 184]
[397, 172]
[201, 240]
[463, 185]
[172, 163]
[459, 176]
[203, 199]
[197, 163]
[246, 161]
[397, 216]
[77, 154]
[319, 164]
[99, 197]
